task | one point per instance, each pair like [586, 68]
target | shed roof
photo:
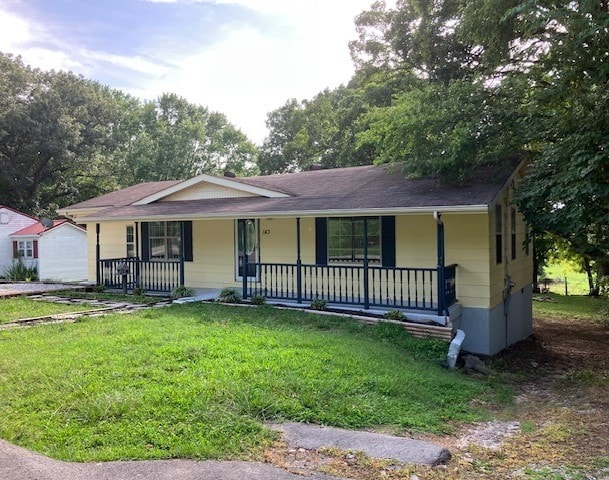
[36, 229]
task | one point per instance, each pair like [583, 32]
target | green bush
[395, 315]
[229, 295]
[319, 304]
[258, 299]
[182, 291]
[20, 272]
[139, 292]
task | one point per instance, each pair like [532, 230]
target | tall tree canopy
[65, 139]
[170, 138]
[445, 86]
[55, 135]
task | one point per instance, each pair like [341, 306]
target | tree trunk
[588, 269]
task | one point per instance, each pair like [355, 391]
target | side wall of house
[11, 222]
[62, 254]
[508, 317]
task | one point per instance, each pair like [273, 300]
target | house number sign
[266, 231]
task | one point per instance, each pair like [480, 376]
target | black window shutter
[321, 241]
[188, 257]
[388, 241]
[145, 242]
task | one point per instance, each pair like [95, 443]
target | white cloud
[245, 73]
[14, 31]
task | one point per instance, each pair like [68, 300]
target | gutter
[477, 209]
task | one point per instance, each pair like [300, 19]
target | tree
[55, 133]
[503, 77]
[421, 36]
[170, 138]
[567, 189]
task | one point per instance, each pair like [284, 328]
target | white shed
[60, 250]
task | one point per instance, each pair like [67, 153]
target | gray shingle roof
[341, 190]
[125, 196]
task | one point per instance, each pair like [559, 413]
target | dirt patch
[556, 427]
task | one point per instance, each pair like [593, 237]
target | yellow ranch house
[367, 237]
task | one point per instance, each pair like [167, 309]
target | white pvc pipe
[454, 349]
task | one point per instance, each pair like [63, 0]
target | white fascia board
[78, 212]
[65, 224]
[462, 209]
[221, 181]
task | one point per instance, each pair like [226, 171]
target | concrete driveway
[19, 464]
[31, 288]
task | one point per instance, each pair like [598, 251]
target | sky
[243, 58]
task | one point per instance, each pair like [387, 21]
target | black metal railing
[130, 273]
[408, 288]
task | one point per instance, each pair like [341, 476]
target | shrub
[258, 299]
[139, 292]
[20, 272]
[319, 304]
[182, 291]
[229, 295]
[395, 315]
[99, 288]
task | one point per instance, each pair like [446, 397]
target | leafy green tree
[55, 135]
[171, 138]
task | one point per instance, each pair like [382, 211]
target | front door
[251, 247]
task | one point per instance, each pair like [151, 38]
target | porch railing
[408, 288]
[372, 286]
[118, 273]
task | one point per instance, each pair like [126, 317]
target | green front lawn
[15, 308]
[199, 380]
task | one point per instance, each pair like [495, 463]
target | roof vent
[229, 174]
[315, 166]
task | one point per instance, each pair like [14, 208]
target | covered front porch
[367, 283]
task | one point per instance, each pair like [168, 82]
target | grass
[575, 307]
[199, 380]
[576, 280]
[15, 308]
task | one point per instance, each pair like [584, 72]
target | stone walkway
[91, 308]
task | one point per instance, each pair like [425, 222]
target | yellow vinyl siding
[520, 269]
[213, 264]
[469, 242]
[112, 243]
[205, 191]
